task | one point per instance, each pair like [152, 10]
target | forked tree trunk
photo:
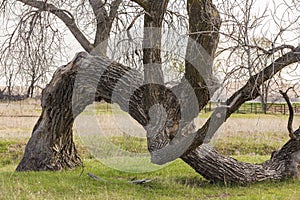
[51, 146]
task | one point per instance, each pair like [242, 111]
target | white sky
[268, 29]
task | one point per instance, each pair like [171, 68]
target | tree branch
[273, 50]
[248, 92]
[104, 22]
[200, 77]
[65, 16]
[98, 9]
[291, 113]
[143, 3]
[114, 9]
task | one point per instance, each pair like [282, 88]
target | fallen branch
[142, 181]
[93, 176]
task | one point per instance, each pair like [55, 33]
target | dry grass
[253, 123]
[251, 134]
[17, 119]
[28, 107]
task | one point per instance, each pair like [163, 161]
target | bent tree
[51, 145]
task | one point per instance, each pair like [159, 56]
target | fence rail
[272, 108]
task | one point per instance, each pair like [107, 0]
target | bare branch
[291, 113]
[114, 9]
[98, 9]
[65, 16]
[248, 92]
[134, 20]
[273, 50]
[143, 3]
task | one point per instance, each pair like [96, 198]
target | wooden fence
[272, 108]
[255, 107]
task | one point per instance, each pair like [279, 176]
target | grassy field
[249, 138]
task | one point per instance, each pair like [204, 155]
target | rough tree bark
[204, 24]
[218, 168]
[48, 150]
[154, 90]
[51, 145]
[50, 154]
[153, 18]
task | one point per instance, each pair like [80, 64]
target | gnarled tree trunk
[218, 168]
[51, 146]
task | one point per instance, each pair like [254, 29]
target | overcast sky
[268, 29]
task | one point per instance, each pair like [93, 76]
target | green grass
[10, 152]
[175, 181]
[131, 144]
[243, 144]
[236, 145]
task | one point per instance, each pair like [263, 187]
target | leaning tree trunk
[51, 146]
[218, 168]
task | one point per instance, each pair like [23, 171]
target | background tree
[35, 40]
[253, 35]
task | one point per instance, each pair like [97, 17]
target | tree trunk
[152, 41]
[30, 89]
[51, 146]
[154, 90]
[204, 25]
[218, 168]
